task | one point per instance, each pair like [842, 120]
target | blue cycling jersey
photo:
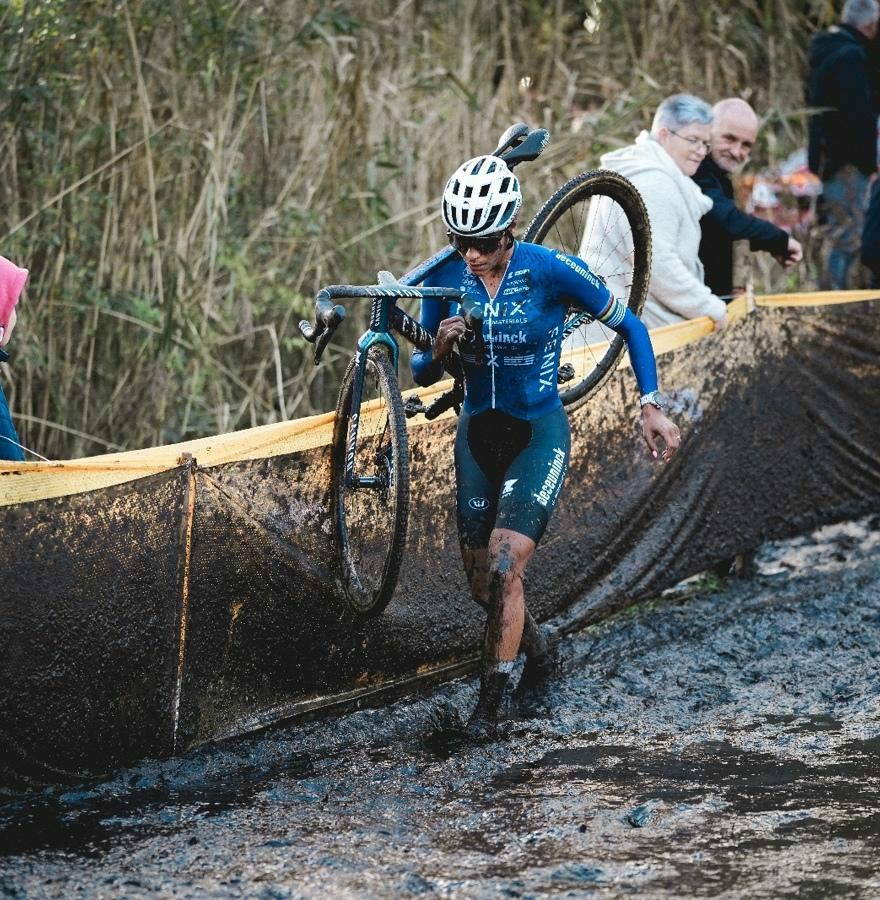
[522, 330]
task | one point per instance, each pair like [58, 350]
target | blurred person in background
[843, 134]
[871, 236]
[734, 131]
[12, 279]
[660, 164]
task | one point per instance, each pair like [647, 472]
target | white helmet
[482, 197]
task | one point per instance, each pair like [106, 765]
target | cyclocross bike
[599, 210]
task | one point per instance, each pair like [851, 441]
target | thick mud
[723, 740]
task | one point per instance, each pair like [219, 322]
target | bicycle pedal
[565, 373]
[413, 406]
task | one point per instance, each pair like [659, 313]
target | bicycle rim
[370, 522]
[600, 217]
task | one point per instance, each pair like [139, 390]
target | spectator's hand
[448, 332]
[794, 254]
[7, 332]
[657, 428]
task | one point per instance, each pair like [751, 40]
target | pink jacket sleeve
[12, 279]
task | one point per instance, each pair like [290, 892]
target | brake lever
[327, 318]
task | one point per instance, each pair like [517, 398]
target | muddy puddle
[721, 741]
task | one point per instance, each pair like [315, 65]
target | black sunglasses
[483, 245]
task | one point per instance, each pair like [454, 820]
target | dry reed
[182, 176]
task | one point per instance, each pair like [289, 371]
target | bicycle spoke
[599, 217]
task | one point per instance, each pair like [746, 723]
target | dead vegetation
[181, 176]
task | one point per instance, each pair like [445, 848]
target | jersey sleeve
[641, 351]
[575, 281]
[425, 369]
[577, 284]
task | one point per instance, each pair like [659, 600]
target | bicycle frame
[385, 315]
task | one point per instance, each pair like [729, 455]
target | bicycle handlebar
[328, 315]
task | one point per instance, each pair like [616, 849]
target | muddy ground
[723, 741]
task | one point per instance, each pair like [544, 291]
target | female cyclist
[512, 445]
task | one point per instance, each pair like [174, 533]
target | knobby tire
[370, 523]
[560, 223]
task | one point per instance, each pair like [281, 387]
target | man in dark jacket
[734, 131]
[843, 138]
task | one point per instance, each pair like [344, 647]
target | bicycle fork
[383, 454]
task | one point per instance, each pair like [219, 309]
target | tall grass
[181, 176]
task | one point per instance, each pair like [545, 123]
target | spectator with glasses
[512, 443]
[734, 132]
[660, 164]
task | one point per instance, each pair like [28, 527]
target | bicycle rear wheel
[370, 521]
[600, 217]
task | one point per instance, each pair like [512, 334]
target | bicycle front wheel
[370, 519]
[600, 217]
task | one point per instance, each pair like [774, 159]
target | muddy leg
[508, 554]
[534, 642]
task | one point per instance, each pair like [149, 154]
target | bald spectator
[734, 131]
[843, 136]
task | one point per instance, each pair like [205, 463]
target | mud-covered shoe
[483, 722]
[537, 675]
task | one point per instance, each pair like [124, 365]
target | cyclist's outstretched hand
[659, 431]
[448, 332]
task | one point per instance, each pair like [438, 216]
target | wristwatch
[655, 398]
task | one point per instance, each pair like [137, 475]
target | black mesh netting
[779, 415]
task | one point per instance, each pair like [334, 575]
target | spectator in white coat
[660, 164]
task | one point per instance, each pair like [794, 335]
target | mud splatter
[723, 740]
